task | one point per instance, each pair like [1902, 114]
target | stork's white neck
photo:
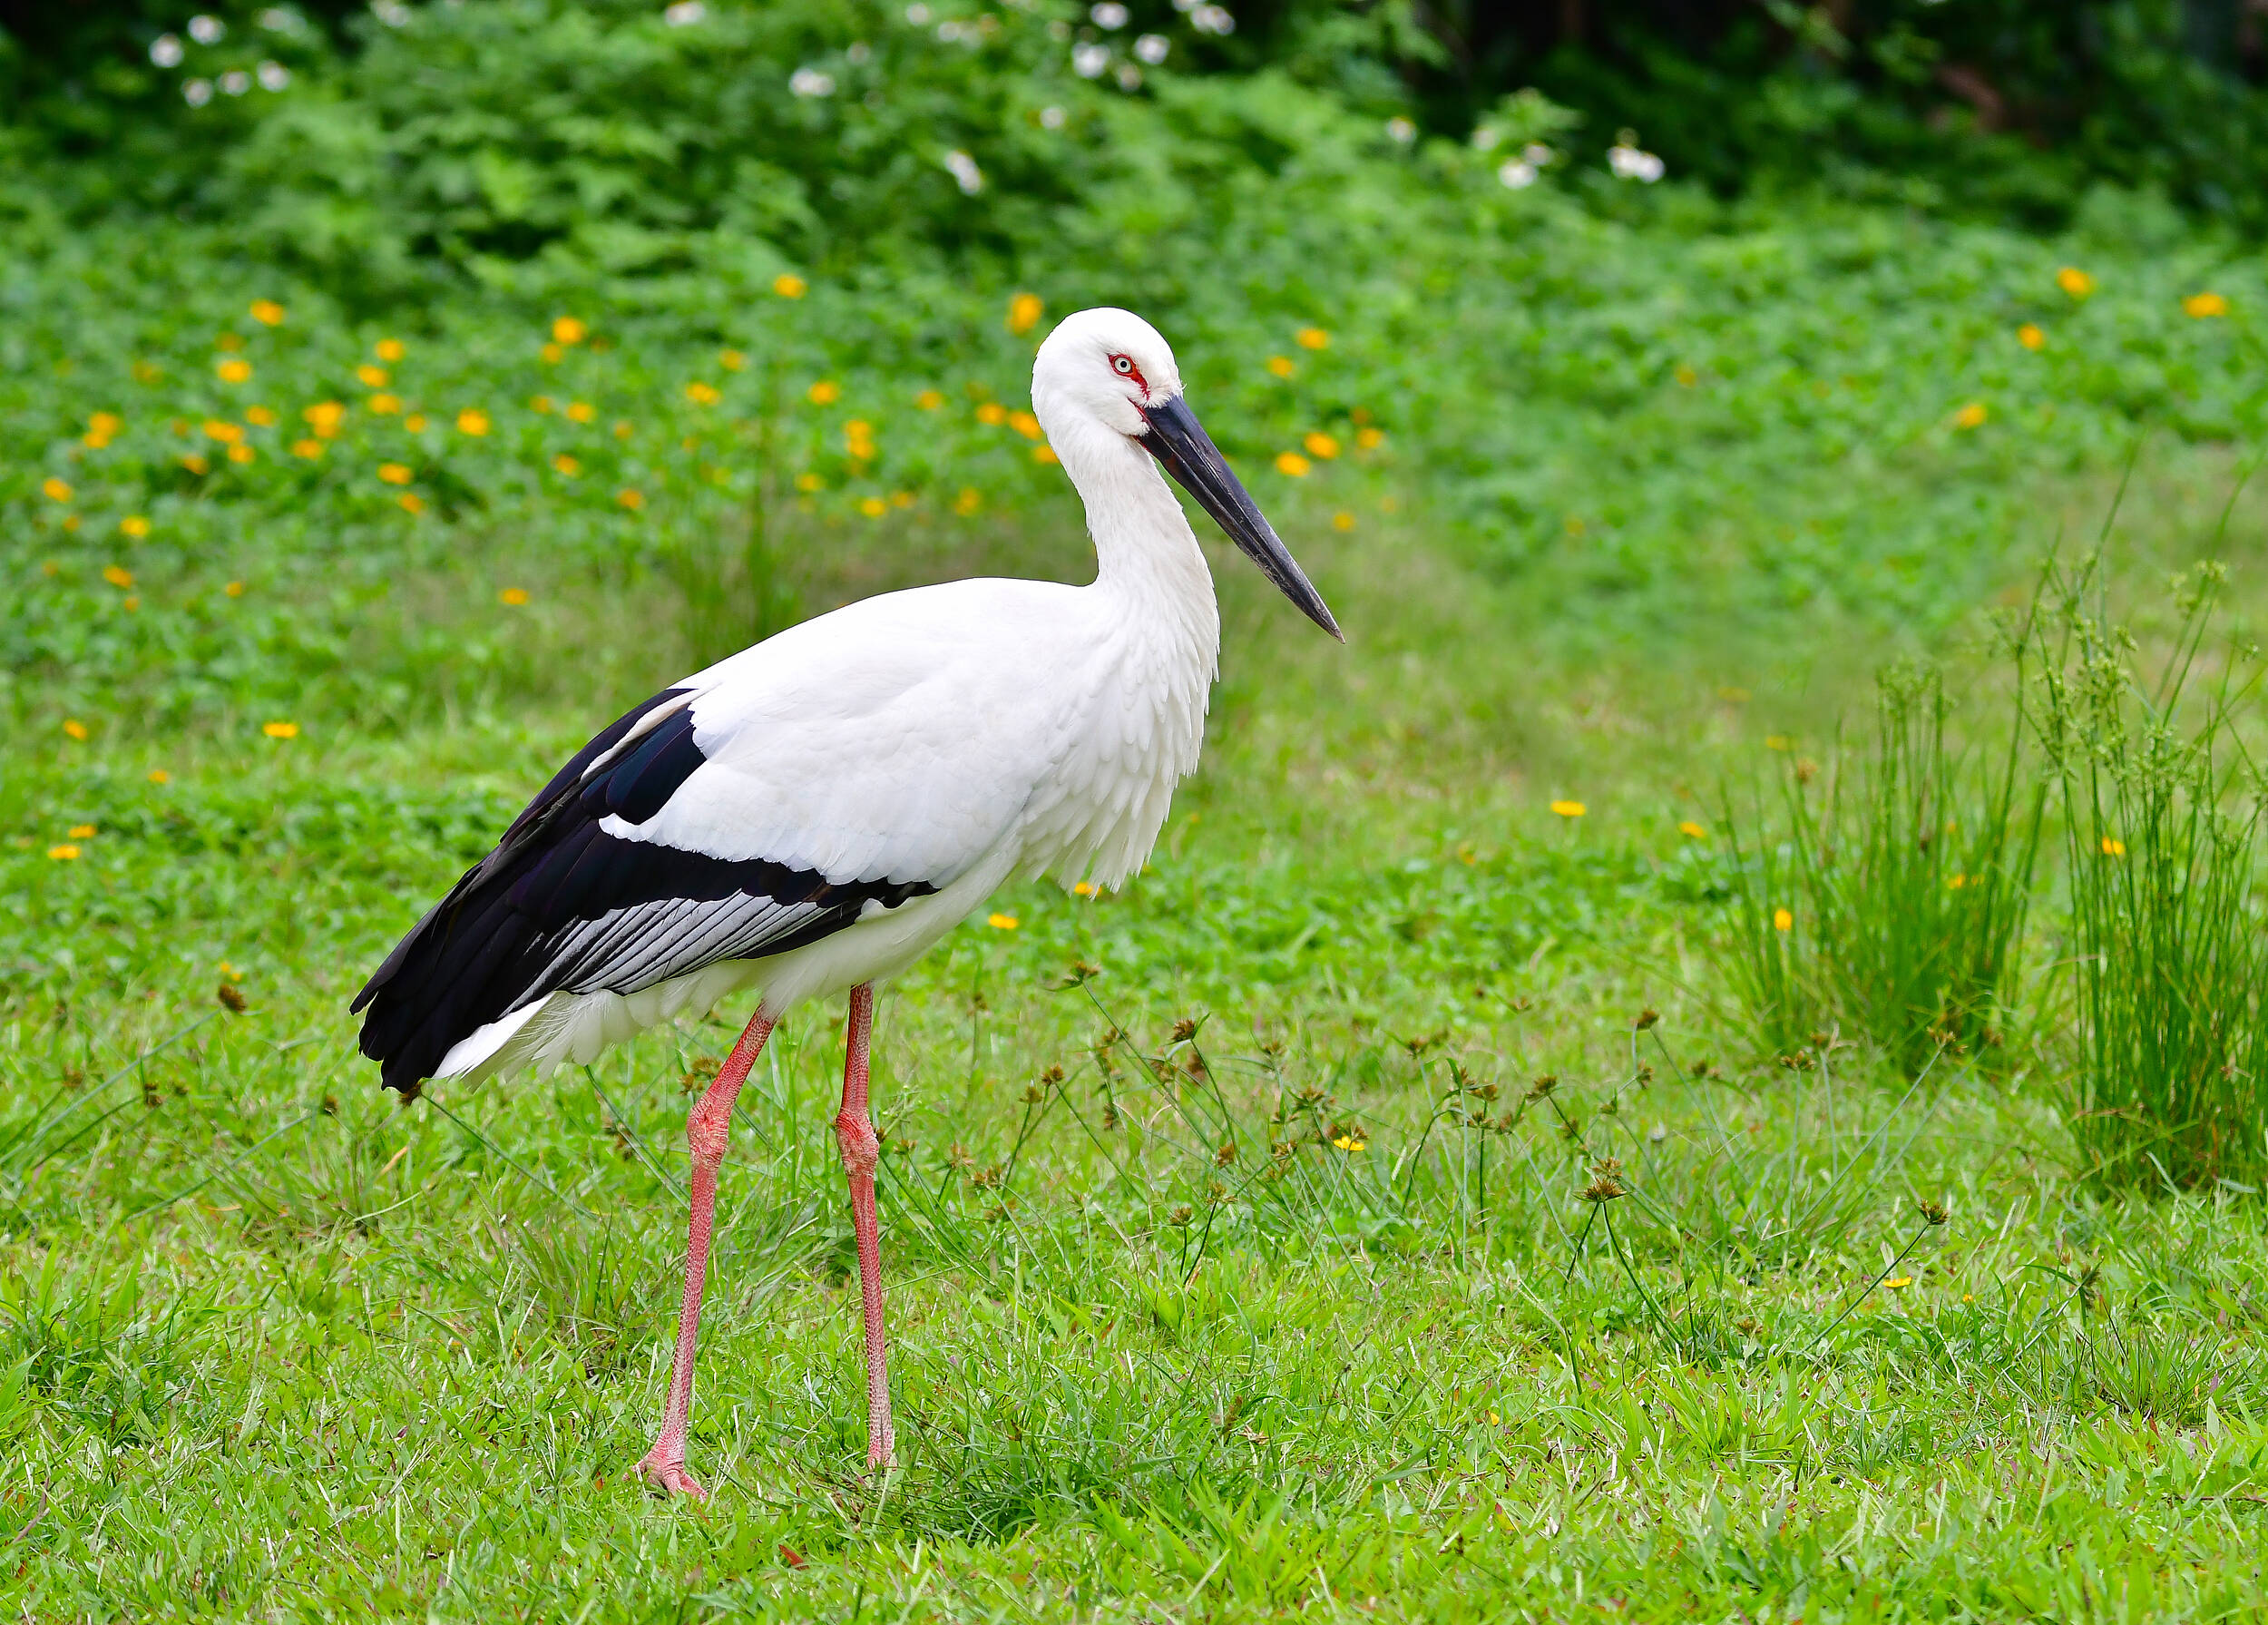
[1146, 556]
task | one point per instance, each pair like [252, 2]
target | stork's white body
[956, 735]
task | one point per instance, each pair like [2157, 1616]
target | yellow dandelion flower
[1001, 922]
[809, 481]
[539, 404]
[234, 588]
[263, 416]
[118, 577]
[929, 400]
[901, 499]
[2113, 846]
[967, 501]
[1691, 830]
[732, 360]
[325, 416]
[566, 329]
[411, 502]
[1312, 338]
[74, 728]
[1370, 439]
[373, 377]
[1569, 809]
[552, 354]
[2205, 304]
[1023, 313]
[389, 349]
[2030, 337]
[703, 395]
[228, 433]
[631, 498]
[788, 286]
[1351, 1143]
[414, 422]
[230, 341]
[2074, 281]
[135, 526]
[992, 413]
[1293, 463]
[873, 507]
[472, 421]
[581, 411]
[130, 603]
[267, 312]
[1341, 521]
[825, 393]
[307, 449]
[241, 454]
[1969, 415]
[55, 489]
[386, 405]
[105, 424]
[1085, 888]
[1322, 445]
[234, 370]
[280, 730]
[63, 853]
[1899, 1283]
[1687, 376]
[394, 473]
[194, 463]
[1024, 424]
[1781, 920]
[83, 832]
[1953, 883]
[1281, 367]
[567, 465]
[1045, 454]
[514, 596]
[160, 776]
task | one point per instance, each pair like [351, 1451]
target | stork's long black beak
[1178, 440]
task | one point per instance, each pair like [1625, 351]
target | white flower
[949, 31]
[1486, 136]
[810, 82]
[684, 14]
[236, 82]
[1051, 118]
[1109, 14]
[197, 91]
[1152, 48]
[1186, 6]
[166, 50]
[1212, 19]
[1130, 77]
[277, 20]
[205, 30]
[1536, 153]
[1089, 60]
[1630, 164]
[964, 172]
[917, 15]
[392, 12]
[859, 54]
[1516, 174]
[273, 76]
[1401, 130]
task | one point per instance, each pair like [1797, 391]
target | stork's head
[1111, 368]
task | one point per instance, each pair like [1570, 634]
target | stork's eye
[1124, 364]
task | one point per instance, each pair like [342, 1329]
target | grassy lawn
[1251, 1275]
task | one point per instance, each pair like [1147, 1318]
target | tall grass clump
[2162, 831]
[1887, 897]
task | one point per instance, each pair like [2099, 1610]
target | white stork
[813, 814]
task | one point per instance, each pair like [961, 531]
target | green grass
[271, 1346]
[1408, 1220]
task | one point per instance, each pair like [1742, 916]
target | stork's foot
[666, 1472]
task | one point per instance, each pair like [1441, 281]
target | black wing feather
[561, 904]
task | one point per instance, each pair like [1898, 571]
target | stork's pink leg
[706, 1131]
[854, 1133]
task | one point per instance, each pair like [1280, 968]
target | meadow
[1413, 1197]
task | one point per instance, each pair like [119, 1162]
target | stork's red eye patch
[1124, 367]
